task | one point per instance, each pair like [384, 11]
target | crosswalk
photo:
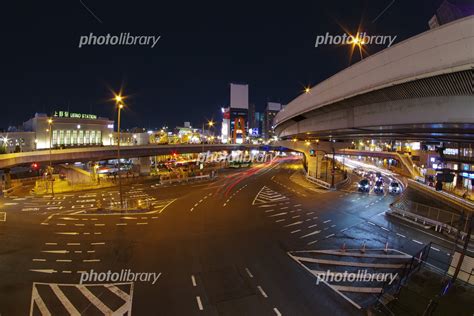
[80, 299]
[267, 195]
[354, 274]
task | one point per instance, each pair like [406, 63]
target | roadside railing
[185, 179]
[317, 181]
[429, 223]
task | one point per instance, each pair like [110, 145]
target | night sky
[203, 47]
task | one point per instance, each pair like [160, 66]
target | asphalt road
[225, 247]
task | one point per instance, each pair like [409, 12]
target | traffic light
[312, 152]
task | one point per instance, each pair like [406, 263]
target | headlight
[366, 185]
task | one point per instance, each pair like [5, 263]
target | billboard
[239, 96]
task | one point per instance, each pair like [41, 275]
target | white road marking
[435, 249]
[49, 271]
[418, 242]
[262, 291]
[56, 251]
[277, 312]
[311, 234]
[91, 260]
[292, 224]
[193, 280]
[97, 243]
[403, 236]
[38, 260]
[295, 231]
[279, 214]
[249, 273]
[325, 222]
[198, 299]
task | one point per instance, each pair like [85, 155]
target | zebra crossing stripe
[36, 298]
[82, 290]
[266, 195]
[64, 300]
[94, 300]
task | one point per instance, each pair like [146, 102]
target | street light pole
[119, 108]
[50, 127]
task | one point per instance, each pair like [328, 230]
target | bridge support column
[314, 165]
[7, 179]
[145, 165]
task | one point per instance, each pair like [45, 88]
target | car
[359, 171]
[378, 188]
[394, 188]
[364, 185]
[370, 174]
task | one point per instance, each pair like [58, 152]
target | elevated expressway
[419, 89]
[110, 152]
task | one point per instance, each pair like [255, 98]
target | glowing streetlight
[119, 103]
[50, 173]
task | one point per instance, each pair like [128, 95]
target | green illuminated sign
[74, 115]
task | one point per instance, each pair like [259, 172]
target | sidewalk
[63, 186]
[452, 198]
[427, 285]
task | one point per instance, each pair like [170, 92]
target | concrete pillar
[7, 179]
[314, 165]
[145, 166]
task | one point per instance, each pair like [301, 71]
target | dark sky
[204, 46]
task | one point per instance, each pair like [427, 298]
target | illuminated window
[86, 139]
[61, 137]
[98, 137]
[74, 138]
[92, 138]
[55, 137]
[80, 139]
[67, 139]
